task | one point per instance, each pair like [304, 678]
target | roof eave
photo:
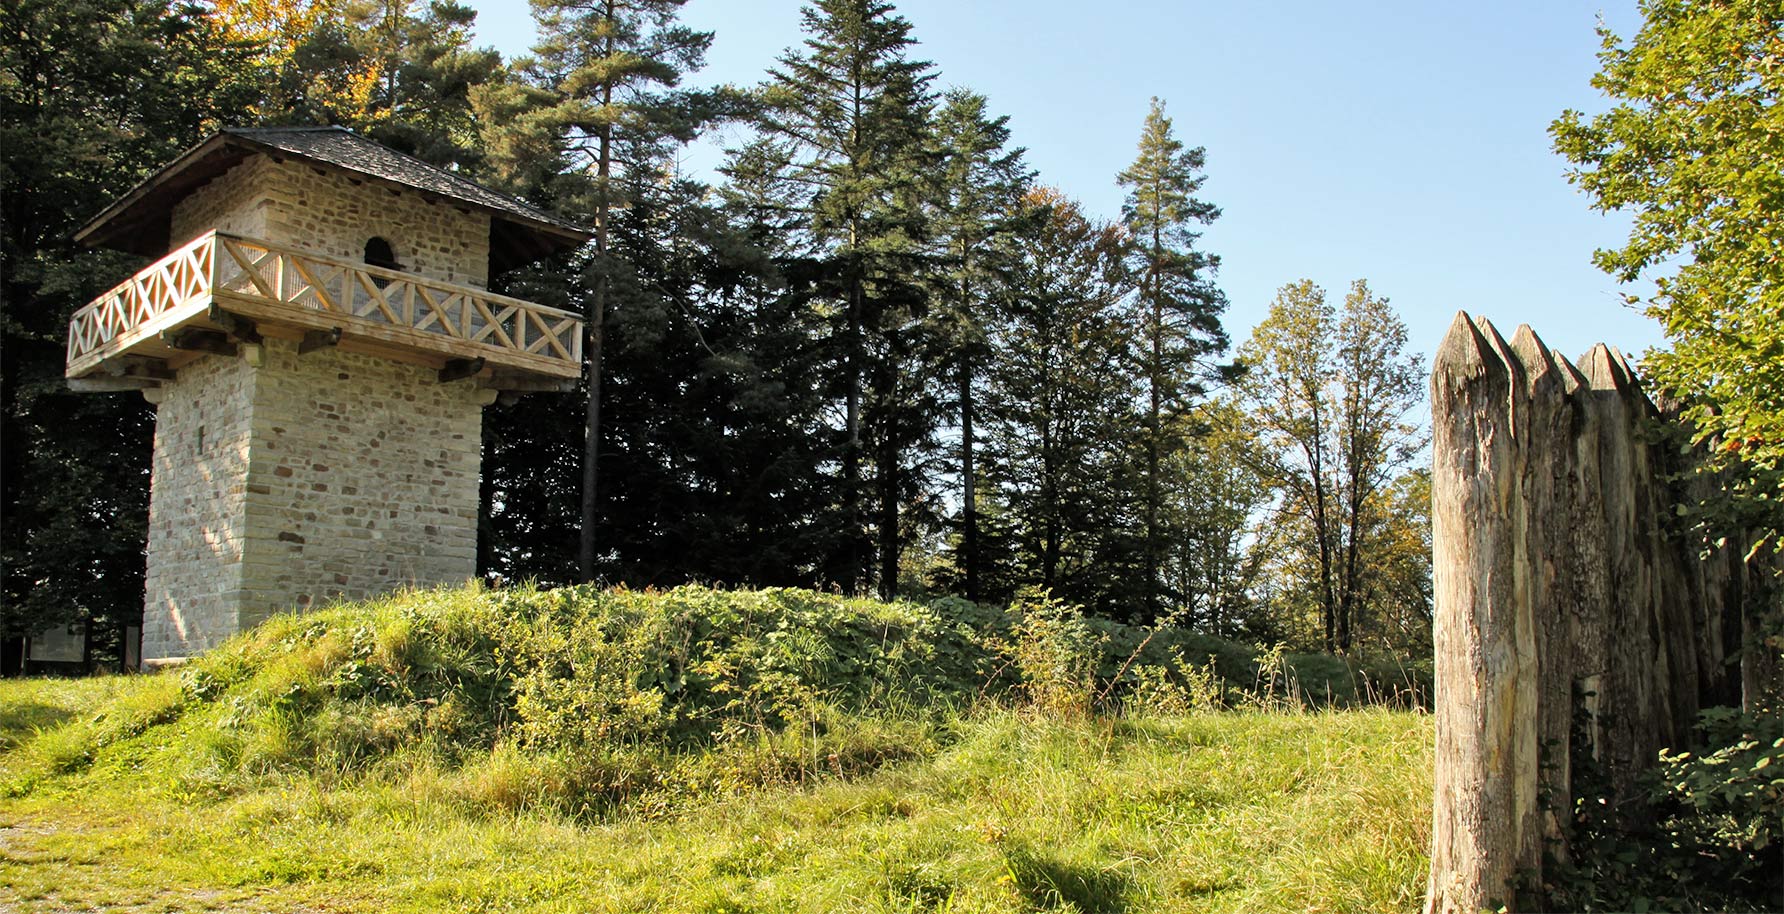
[85, 234]
[93, 234]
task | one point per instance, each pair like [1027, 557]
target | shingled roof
[139, 221]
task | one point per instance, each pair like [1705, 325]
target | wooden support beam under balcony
[241, 288]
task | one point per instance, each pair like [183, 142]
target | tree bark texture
[1574, 616]
[969, 484]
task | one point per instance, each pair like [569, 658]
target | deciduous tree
[1328, 395]
[1217, 503]
[1693, 148]
[94, 94]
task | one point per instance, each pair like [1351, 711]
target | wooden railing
[283, 285]
[130, 312]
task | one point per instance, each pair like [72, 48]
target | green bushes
[695, 665]
[1702, 833]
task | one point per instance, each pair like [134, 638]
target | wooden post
[1484, 637]
[1627, 698]
[1549, 475]
[1567, 592]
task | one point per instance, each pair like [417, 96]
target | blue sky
[1401, 142]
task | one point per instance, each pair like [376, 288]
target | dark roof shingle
[139, 220]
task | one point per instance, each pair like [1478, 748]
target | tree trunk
[889, 499]
[1050, 510]
[1154, 431]
[851, 455]
[969, 484]
[1549, 477]
[1322, 525]
[596, 335]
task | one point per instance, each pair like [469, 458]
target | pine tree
[612, 68]
[1179, 303]
[713, 397]
[427, 73]
[846, 121]
[978, 207]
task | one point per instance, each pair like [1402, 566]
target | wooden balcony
[222, 284]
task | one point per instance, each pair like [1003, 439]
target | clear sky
[1402, 142]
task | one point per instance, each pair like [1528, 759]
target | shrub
[1702, 834]
[1055, 650]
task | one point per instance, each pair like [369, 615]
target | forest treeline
[876, 353]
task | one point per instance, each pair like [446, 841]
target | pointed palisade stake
[1549, 469]
[1483, 634]
[1626, 691]
[1588, 590]
[1576, 619]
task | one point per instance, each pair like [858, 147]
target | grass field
[119, 794]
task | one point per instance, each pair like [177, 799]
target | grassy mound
[578, 697]
[587, 699]
[585, 749]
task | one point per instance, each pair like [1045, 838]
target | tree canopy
[871, 354]
[1691, 148]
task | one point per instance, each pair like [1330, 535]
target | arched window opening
[379, 254]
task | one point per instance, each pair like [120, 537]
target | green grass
[1222, 811]
[799, 777]
[30, 705]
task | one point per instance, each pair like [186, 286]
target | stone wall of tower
[319, 476]
[233, 202]
[197, 500]
[362, 477]
[317, 209]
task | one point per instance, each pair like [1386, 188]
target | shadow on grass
[20, 722]
[1050, 883]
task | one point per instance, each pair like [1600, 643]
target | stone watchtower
[319, 344]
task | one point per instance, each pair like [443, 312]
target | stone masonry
[302, 479]
[196, 508]
[302, 206]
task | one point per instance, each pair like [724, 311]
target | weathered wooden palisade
[319, 342]
[1579, 625]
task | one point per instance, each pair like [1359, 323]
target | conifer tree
[1179, 304]
[978, 206]
[612, 69]
[846, 122]
[427, 71]
[712, 401]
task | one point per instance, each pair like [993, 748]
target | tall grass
[703, 751]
